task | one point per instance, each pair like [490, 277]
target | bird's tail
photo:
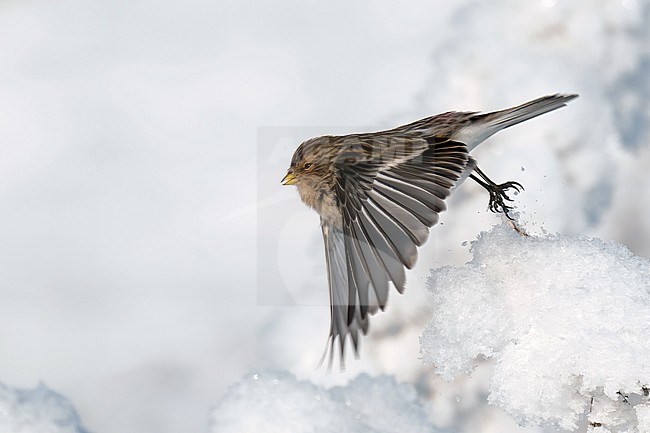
[512, 116]
[485, 125]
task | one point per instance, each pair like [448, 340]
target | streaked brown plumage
[379, 193]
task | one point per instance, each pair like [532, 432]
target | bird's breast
[324, 202]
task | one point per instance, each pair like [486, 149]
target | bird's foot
[499, 197]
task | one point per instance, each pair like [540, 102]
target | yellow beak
[289, 179]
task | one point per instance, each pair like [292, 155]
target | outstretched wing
[390, 191]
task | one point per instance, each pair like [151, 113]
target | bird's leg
[498, 192]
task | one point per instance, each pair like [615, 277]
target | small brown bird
[379, 193]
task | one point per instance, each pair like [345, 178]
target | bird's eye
[308, 165]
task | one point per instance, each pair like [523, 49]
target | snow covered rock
[567, 320]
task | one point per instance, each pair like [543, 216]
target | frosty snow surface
[567, 319]
[38, 410]
[275, 402]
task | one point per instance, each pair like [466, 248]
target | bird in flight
[378, 194]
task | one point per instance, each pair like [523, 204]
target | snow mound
[38, 410]
[566, 319]
[279, 403]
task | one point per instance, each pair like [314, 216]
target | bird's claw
[499, 196]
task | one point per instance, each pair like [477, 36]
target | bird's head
[311, 162]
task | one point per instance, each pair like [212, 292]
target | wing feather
[390, 192]
[385, 251]
[373, 267]
[424, 213]
[342, 283]
[412, 226]
[402, 245]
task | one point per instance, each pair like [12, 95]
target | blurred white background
[132, 177]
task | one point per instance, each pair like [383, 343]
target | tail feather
[483, 126]
[512, 116]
